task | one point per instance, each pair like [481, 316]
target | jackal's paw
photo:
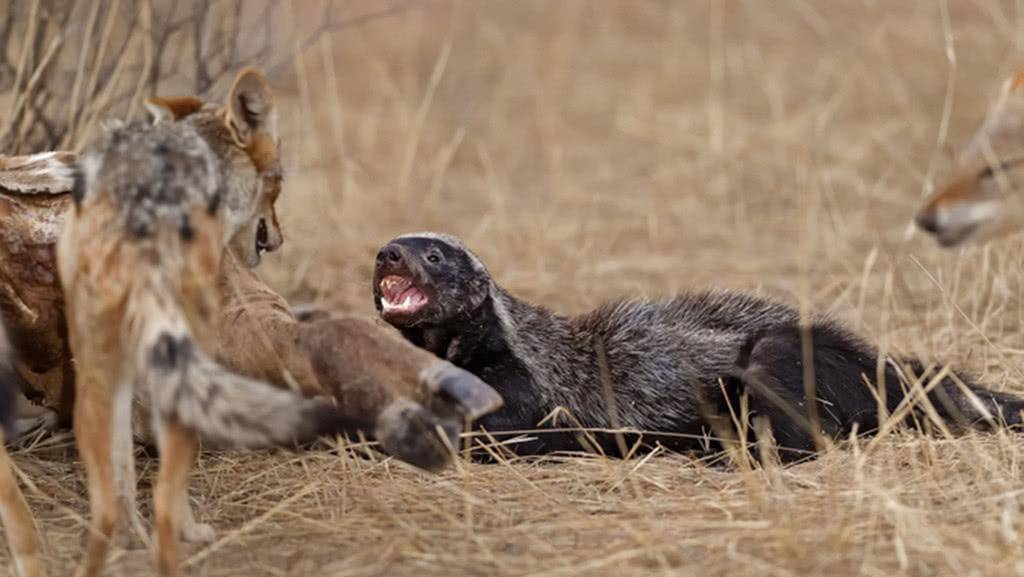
[411, 433]
[198, 533]
[458, 392]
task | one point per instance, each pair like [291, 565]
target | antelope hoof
[410, 432]
[460, 390]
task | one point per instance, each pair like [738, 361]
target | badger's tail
[959, 400]
[849, 392]
[187, 387]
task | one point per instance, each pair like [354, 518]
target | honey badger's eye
[433, 258]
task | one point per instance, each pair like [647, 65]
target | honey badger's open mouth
[398, 296]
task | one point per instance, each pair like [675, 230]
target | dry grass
[590, 150]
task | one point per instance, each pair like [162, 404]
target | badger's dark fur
[672, 366]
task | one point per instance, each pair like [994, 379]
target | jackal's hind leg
[94, 435]
[123, 457]
[178, 450]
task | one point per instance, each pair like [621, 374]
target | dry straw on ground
[590, 150]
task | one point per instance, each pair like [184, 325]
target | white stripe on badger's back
[43, 173]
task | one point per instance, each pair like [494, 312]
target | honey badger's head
[428, 279]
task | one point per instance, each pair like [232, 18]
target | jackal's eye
[989, 171]
[1000, 167]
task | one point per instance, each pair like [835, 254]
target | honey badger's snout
[390, 254]
[392, 260]
[398, 258]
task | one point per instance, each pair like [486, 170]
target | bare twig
[328, 25]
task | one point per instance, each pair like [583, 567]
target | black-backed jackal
[138, 260]
[982, 198]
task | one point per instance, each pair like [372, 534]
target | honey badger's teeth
[392, 286]
[398, 295]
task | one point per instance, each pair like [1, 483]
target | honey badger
[671, 365]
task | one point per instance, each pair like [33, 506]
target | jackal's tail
[189, 388]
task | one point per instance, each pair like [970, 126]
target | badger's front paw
[411, 433]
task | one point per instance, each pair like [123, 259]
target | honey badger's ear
[250, 107]
[171, 108]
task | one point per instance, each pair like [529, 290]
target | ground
[592, 150]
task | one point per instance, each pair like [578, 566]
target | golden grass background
[591, 150]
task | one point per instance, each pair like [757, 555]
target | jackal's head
[984, 196]
[243, 135]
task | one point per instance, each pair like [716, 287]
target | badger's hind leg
[771, 371]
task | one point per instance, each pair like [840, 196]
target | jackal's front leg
[17, 519]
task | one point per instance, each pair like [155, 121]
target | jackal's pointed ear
[251, 107]
[171, 108]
